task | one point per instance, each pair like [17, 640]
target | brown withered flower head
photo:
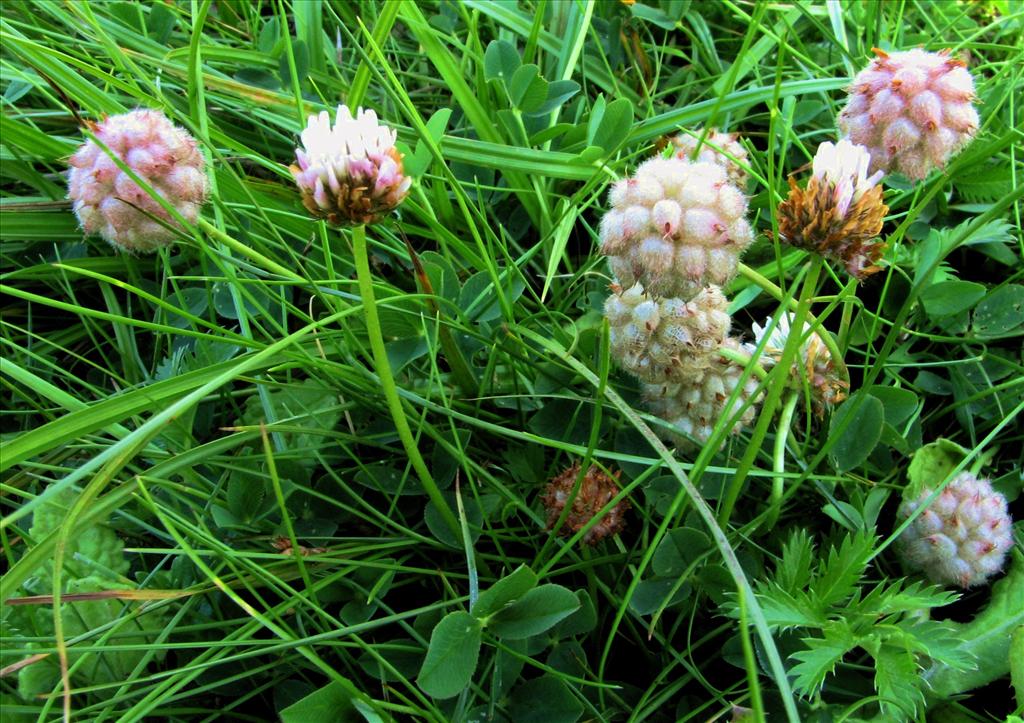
[839, 215]
[596, 490]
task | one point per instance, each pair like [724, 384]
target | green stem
[773, 289]
[779, 460]
[791, 351]
[387, 381]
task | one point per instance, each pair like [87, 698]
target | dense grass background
[217, 402]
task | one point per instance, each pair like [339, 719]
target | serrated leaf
[533, 613]
[897, 680]
[794, 569]
[505, 591]
[820, 658]
[784, 610]
[985, 182]
[839, 573]
[451, 656]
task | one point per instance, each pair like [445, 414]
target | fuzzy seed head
[695, 405]
[660, 340]
[596, 490]
[962, 537]
[840, 213]
[108, 202]
[349, 172]
[913, 111]
[665, 221]
[723, 149]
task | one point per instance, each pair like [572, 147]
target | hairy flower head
[349, 172]
[107, 200]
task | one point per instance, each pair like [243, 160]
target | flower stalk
[387, 381]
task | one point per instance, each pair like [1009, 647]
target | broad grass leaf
[863, 416]
[451, 656]
[533, 613]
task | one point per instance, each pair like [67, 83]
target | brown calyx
[809, 219]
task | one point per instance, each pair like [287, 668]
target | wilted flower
[840, 213]
[828, 387]
[350, 172]
[109, 203]
[911, 110]
[596, 490]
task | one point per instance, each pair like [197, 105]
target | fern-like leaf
[839, 573]
[821, 657]
[897, 680]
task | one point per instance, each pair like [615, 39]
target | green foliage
[840, 616]
[222, 400]
[95, 564]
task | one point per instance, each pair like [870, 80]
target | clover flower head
[912, 110]
[107, 200]
[349, 172]
[840, 212]
[845, 165]
[827, 384]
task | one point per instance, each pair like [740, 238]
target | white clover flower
[349, 172]
[845, 165]
[827, 386]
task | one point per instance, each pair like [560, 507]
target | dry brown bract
[596, 490]
[810, 219]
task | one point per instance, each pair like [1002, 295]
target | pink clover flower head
[845, 166]
[349, 172]
[912, 110]
[107, 200]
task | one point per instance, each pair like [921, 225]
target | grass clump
[282, 468]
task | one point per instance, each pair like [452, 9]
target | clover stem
[387, 381]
